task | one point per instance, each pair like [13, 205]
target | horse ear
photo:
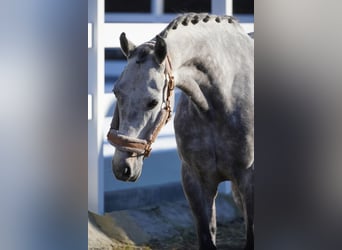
[160, 49]
[127, 46]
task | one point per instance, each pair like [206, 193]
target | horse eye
[152, 104]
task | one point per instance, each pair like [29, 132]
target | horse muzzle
[126, 167]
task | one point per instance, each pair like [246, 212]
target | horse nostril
[127, 172]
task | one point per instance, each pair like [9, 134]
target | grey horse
[211, 60]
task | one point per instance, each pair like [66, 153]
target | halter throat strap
[140, 146]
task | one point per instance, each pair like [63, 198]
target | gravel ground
[163, 226]
[229, 236]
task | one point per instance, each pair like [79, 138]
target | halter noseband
[141, 146]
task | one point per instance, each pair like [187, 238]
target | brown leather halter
[140, 146]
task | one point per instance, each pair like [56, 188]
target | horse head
[143, 105]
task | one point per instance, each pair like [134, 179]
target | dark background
[176, 6]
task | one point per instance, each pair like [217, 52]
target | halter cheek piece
[141, 146]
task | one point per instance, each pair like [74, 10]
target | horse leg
[236, 196]
[244, 191]
[201, 197]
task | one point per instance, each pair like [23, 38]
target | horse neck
[200, 57]
[203, 38]
[181, 50]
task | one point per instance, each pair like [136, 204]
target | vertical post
[157, 7]
[222, 7]
[95, 121]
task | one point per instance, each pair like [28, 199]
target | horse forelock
[143, 51]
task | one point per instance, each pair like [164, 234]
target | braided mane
[193, 19]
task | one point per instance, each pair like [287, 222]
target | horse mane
[193, 19]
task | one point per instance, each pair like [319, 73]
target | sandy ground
[163, 226]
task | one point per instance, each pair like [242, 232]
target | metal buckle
[147, 151]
